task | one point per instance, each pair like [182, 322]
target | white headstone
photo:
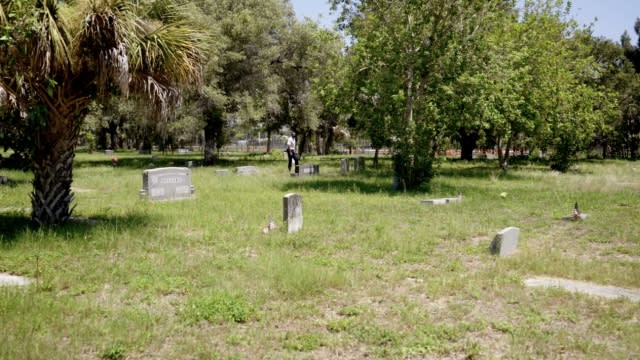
[292, 212]
[505, 242]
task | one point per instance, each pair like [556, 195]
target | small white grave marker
[292, 212]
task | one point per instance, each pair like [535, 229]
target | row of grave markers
[175, 183]
[352, 164]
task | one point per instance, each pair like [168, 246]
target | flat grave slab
[246, 170]
[606, 291]
[442, 201]
[13, 280]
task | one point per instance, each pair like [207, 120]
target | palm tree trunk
[52, 167]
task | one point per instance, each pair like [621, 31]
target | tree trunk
[499, 148]
[468, 142]
[375, 157]
[505, 163]
[269, 141]
[303, 143]
[328, 143]
[53, 156]
[213, 134]
[113, 134]
[210, 148]
[318, 144]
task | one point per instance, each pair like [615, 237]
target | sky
[613, 16]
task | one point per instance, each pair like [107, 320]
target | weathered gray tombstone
[358, 163]
[397, 184]
[3, 180]
[108, 152]
[292, 212]
[170, 183]
[344, 165]
[246, 170]
[505, 242]
[307, 169]
[222, 172]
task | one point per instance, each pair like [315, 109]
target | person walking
[291, 150]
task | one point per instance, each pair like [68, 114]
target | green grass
[372, 274]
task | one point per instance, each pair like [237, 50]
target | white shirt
[291, 143]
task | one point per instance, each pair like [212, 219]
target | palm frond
[3, 14]
[51, 48]
[102, 42]
[164, 58]
[171, 49]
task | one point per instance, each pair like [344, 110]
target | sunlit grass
[373, 273]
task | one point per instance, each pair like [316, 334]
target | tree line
[415, 77]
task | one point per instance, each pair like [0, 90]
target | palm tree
[57, 57]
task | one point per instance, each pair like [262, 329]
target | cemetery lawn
[373, 273]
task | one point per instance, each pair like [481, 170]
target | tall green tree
[56, 57]
[241, 84]
[407, 48]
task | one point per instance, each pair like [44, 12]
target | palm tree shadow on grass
[16, 225]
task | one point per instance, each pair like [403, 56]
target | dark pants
[292, 156]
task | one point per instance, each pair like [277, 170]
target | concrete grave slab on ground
[12, 209]
[442, 201]
[170, 183]
[505, 242]
[246, 170]
[13, 280]
[609, 292]
[81, 190]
